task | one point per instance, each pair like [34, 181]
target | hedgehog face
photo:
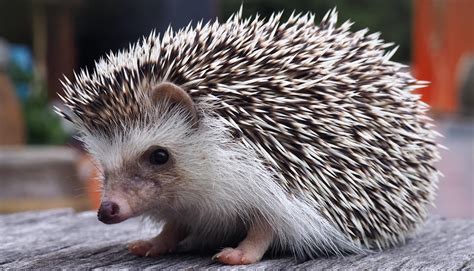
[138, 184]
[144, 166]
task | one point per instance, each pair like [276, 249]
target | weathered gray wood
[63, 238]
[40, 177]
[38, 172]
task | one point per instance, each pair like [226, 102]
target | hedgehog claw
[216, 257]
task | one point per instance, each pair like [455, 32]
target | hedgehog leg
[165, 242]
[250, 250]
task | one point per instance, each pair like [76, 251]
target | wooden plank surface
[63, 238]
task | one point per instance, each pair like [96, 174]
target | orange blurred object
[90, 174]
[93, 191]
[12, 128]
[443, 35]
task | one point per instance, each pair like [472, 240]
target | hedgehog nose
[108, 212]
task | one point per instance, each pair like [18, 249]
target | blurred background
[42, 165]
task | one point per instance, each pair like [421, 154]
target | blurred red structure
[443, 34]
[89, 173]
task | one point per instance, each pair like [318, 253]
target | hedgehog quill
[255, 136]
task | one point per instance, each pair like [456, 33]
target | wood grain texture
[63, 238]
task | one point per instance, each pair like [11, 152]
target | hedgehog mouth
[113, 220]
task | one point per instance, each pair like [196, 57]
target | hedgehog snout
[114, 209]
[132, 189]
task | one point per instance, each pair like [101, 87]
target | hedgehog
[259, 136]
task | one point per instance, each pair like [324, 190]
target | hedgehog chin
[115, 220]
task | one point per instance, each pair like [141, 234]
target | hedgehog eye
[159, 157]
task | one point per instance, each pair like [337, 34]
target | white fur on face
[225, 182]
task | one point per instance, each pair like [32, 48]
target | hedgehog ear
[175, 96]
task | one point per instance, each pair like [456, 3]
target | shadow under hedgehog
[255, 135]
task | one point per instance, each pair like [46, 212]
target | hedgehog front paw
[165, 242]
[150, 248]
[251, 249]
[237, 256]
[140, 247]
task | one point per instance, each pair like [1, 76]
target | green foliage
[391, 18]
[18, 75]
[42, 124]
